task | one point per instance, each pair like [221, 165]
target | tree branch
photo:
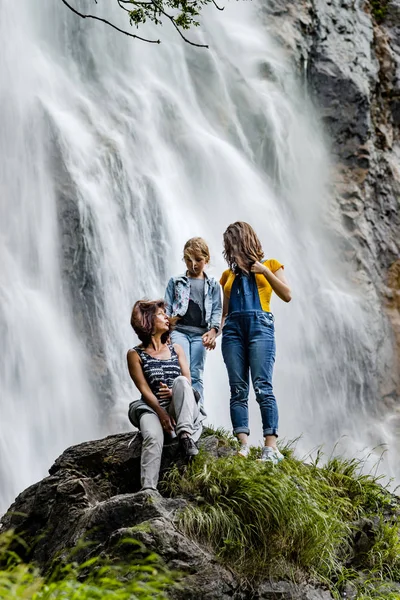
[171, 18]
[123, 7]
[215, 4]
[108, 23]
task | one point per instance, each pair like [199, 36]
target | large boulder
[90, 504]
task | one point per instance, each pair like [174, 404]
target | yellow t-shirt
[263, 286]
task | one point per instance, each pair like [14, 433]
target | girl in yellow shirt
[248, 337]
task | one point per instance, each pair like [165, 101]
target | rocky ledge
[92, 494]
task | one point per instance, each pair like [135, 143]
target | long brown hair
[142, 320]
[242, 247]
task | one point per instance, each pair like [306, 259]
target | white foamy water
[114, 152]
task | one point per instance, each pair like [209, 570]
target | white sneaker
[243, 450]
[271, 455]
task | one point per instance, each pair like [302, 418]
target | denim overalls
[248, 342]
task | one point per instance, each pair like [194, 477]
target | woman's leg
[186, 412]
[153, 440]
[235, 357]
[261, 359]
[197, 360]
[184, 409]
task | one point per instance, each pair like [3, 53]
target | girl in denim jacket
[195, 299]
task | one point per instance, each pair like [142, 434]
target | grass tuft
[223, 435]
[142, 579]
[293, 518]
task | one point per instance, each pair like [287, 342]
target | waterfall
[115, 152]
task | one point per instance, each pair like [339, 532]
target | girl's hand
[164, 391]
[167, 422]
[209, 339]
[258, 267]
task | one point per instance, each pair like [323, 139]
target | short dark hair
[142, 320]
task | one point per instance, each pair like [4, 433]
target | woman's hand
[209, 339]
[258, 267]
[164, 391]
[167, 422]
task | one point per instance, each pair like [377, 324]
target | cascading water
[114, 152]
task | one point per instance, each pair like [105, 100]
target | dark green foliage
[379, 9]
[141, 579]
[184, 12]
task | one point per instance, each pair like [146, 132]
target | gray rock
[284, 590]
[91, 495]
[351, 65]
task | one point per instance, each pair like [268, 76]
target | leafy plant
[144, 578]
[379, 9]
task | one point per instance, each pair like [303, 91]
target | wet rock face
[351, 65]
[92, 494]
[78, 268]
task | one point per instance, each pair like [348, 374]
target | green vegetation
[294, 520]
[145, 579]
[379, 9]
[224, 437]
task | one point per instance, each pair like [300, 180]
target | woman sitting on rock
[161, 374]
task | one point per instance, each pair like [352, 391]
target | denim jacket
[177, 299]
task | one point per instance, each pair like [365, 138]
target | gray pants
[185, 411]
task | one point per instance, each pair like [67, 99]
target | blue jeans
[195, 352]
[248, 343]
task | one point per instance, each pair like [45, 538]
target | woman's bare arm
[277, 280]
[136, 373]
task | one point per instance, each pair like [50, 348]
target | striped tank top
[157, 370]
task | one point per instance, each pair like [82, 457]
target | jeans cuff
[270, 431]
[241, 430]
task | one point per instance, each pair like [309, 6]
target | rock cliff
[347, 52]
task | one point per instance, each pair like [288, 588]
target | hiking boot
[243, 450]
[188, 446]
[271, 455]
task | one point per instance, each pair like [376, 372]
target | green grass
[141, 579]
[294, 520]
[224, 437]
